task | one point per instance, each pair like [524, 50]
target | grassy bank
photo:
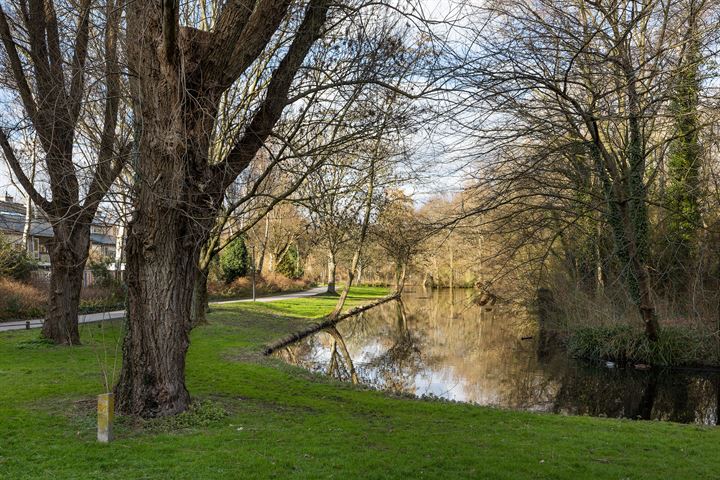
[259, 418]
[606, 326]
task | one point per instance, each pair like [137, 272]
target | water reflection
[443, 344]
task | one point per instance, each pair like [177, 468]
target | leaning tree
[62, 60]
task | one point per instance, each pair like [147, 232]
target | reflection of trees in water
[488, 359]
[393, 368]
[360, 327]
[339, 349]
[658, 395]
[448, 341]
[472, 354]
[453, 346]
[397, 366]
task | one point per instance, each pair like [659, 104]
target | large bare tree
[179, 74]
[50, 52]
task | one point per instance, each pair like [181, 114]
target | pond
[438, 343]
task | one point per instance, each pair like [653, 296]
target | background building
[13, 223]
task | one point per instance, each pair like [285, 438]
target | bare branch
[276, 95]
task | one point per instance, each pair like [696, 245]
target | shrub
[277, 282]
[290, 265]
[19, 300]
[625, 344]
[234, 260]
[15, 263]
[102, 276]
[271, 282]
[103, 296]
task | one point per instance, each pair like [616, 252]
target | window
[35, 247]
[98, 229]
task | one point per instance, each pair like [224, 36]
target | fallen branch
[326, 322]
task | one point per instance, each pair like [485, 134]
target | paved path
[98, 317]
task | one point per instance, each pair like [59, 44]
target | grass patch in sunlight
[257, 417]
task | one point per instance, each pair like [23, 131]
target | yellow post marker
[106, 409]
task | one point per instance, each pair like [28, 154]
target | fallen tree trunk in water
[327, 322]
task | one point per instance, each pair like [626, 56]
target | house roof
[12, 219]
[102, 239]
[6, 206]
[12, 222]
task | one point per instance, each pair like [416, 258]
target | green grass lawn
[259, 418]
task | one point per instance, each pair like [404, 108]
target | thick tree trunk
[161, 279]
[172, 221]
[175, 206]
[332, 271]
[67, 264]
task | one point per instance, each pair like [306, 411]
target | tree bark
[200, 303]
[400, 271]
[161, 280]
[263, 247]
[332, 271]
[171, 223]
[68, 258]
[172, 220]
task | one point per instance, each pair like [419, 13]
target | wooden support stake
[106, 409]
